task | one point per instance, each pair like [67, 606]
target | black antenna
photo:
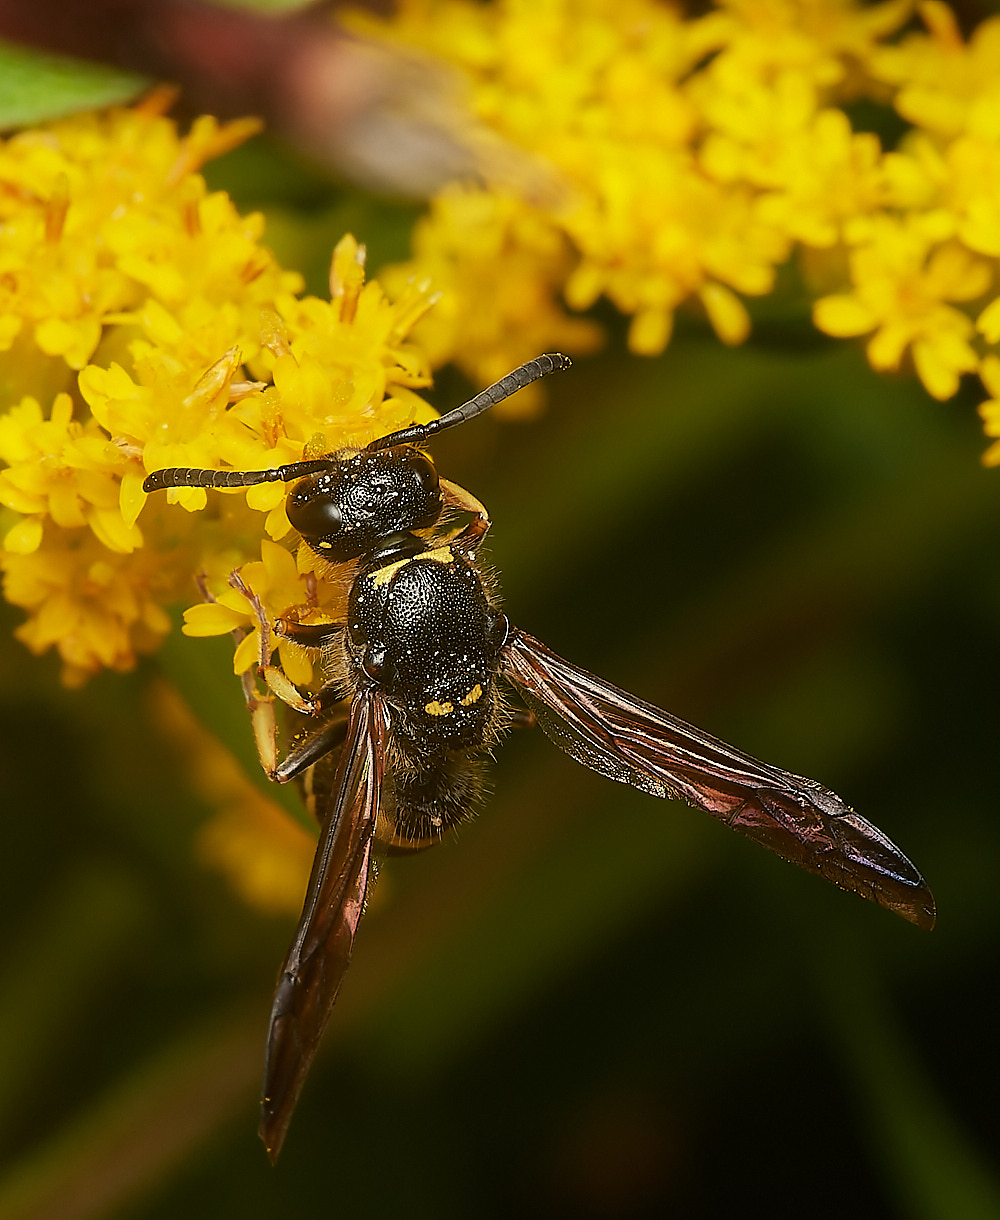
[541, 366]
[183, 476]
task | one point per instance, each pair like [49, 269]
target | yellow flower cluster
[690, 157]
[142, 325]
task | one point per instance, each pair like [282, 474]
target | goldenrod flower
[264, 590]
[944, 84]
[496, 262]
[97, 607]
[596, 91]
[113, 252]
[664, 162]
[902, 290]
[144, 326]
[815, 183]
[990, 410]
[688, 158]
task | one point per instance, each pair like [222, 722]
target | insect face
[365, 497]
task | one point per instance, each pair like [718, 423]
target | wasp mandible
[414, 702]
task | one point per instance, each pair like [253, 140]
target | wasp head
[365, 495]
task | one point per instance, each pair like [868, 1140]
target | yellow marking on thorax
[440, 554]
[438, 709]
[384, 575]
[473, 696]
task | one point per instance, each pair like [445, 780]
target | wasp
[416, 699]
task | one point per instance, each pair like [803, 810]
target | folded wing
[622, 737]
[321, 950]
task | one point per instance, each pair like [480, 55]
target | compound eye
[313, 513]
[425, 490]
[424, 472]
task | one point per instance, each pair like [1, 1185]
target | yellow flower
[664, 233]
[686, 157]
[497, 263]
[64, 470]
[267, 589]
[98, 217]
[901, 290]
[596, 91]
[816, 179]
[144, 326]
[821, 41]
[946, 85]
[989, 372]
[683, 160]
[953, 190]
[113, 251]
[96, 606]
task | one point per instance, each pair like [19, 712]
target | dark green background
[594, 1003]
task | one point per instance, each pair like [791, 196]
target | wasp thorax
[345, 511]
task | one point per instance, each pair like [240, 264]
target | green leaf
[35, 86]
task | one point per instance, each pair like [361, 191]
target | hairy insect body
[426, 632]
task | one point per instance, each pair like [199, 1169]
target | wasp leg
[263, 623]
[309, 635]
[276, 681]
[261, 706]
[323, 741]
[457, 497]
[265, 726]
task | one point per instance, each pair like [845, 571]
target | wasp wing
[622, 737]
[321, 950]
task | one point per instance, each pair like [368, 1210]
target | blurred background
[592, 1003]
